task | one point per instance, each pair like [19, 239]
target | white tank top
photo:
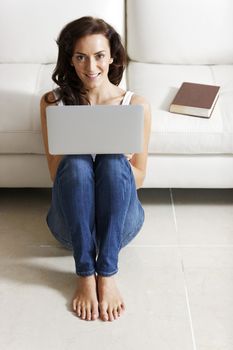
[126, 101]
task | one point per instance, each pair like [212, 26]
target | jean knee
[112, 164]
[76, 166]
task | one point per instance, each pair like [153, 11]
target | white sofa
[168, 42]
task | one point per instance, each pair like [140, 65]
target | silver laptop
[103, 129]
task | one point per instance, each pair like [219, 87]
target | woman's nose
[91, 64]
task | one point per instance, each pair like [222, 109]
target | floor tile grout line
[149, 246]
[174, 213]
[183, 272]
[189, 310]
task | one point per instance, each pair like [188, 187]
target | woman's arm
[139, 160]
[53, 160]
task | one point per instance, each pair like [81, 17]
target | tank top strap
[56, 93]
[127, 98]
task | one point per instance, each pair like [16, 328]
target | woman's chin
[92, 84]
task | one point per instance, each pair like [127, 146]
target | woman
[95, 210]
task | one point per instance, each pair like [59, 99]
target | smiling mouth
[92, 76]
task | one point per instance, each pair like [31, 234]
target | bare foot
[111, 304]
[85, 302]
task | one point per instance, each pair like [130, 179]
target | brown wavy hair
[72, 91]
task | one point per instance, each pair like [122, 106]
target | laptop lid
[103, 129]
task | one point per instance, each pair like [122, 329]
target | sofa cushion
[177, 133]
[21, 87]
[180, 31]
[28, 29]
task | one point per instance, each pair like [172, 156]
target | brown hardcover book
[195, 99]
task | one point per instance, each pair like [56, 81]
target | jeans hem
[106, 274]
[85, 274]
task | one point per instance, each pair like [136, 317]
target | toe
[110, 315]
[104, 316]
[88, 312]
[103, 312]
[115, 313]
[83, 310]
[119, 311]
[95, 312]
[79, 309]
[74, 304]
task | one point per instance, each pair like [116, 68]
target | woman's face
[91, 60]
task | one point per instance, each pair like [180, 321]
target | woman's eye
[80, 58]
[101, 55]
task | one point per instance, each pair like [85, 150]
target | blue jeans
[95, 210]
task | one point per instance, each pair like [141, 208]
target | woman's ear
[111, 60]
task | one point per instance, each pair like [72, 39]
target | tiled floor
[176, 277]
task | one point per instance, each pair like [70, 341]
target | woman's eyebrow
[81, 53]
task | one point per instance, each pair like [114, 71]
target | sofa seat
[177, 133]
